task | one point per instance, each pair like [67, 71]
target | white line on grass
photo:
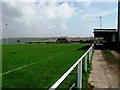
[27, 65]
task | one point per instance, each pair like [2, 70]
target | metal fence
[87, 56]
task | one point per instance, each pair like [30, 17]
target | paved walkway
[104, 74]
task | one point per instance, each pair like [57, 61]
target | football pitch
[37, 65]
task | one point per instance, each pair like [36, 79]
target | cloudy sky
[45, 19]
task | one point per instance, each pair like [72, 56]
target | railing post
[92, 49]
[86, 62]
[79, 84]
[89, 56]
[91, 53]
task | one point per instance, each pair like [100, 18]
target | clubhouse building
[108, 38]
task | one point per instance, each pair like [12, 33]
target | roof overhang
[105, 31]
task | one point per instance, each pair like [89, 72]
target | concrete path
[104, 74]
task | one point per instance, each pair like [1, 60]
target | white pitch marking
[26, 65]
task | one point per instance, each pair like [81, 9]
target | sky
[51, 19]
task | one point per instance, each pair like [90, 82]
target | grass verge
[85, 82]
[110, 55]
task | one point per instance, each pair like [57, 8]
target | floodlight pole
[100, 22]
[118, 26]
[6, 30]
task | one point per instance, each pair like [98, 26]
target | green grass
[72, 77]
[53, 60]
[110, 55]
[85, 83]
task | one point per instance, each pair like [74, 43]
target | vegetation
[110, 55]
[52, 61]
[85, 83]
[72, 78]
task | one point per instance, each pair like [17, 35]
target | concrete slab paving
[103, 74]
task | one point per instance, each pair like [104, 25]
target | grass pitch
[50, 62]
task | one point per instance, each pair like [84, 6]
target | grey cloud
[10, 11]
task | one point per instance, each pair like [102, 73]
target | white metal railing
[88, 56]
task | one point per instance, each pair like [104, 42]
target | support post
[91, 53]
[79, 84]
[86, 62]
[89, 56]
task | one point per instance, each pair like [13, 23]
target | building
[105, 37]
[108, 38]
